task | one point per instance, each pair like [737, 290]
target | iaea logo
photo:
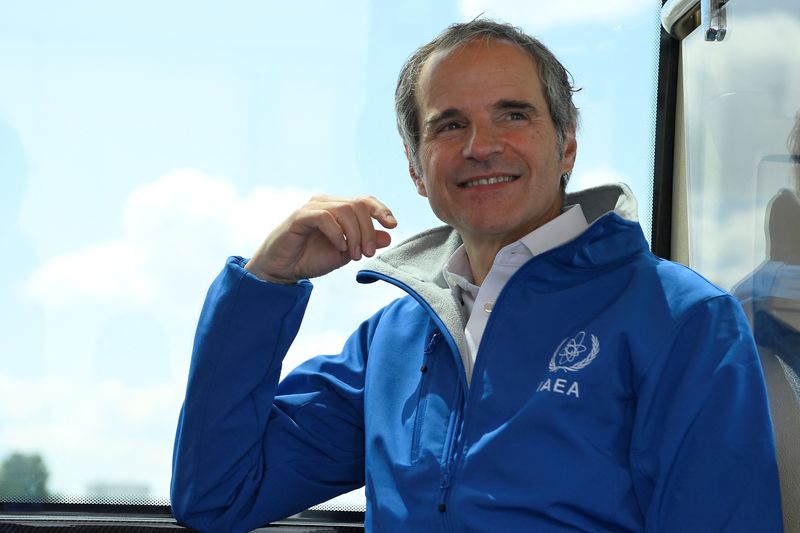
[571, 355]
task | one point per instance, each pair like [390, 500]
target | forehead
[480, 67]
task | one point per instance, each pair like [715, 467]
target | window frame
[108, 516]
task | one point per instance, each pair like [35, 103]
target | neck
[481, 258]
[482, 249]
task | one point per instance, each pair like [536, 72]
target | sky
[749, 91]
[143, 143]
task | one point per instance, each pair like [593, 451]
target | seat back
[783, 386]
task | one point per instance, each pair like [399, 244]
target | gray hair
[555, 79]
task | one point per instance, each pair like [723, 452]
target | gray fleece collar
[422, 256]
[417, 262]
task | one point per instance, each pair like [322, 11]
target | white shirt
[479, 301]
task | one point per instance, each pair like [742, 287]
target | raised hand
[323, 235]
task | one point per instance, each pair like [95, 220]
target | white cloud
[594, 177]
[112, 270]
[737, 248]
[175, 229]
[539, 15]
[121, 318]
[91, 431]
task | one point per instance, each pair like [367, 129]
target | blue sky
[142, 143]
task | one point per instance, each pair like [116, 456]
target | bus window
[134, 136]
[738, 184]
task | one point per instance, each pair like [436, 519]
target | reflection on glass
[771, 294]
[741, 101]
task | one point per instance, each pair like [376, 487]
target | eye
[517, 115]
[450, 126]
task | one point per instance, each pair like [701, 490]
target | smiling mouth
[487, 181]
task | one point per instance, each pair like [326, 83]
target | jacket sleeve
[248, 451]
[703, 453]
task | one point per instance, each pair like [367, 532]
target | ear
[418, 182]
[570, 150]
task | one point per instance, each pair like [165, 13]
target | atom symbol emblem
[572, 349]
[569, 356]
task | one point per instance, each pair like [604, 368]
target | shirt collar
[565, 227]
[561, 229]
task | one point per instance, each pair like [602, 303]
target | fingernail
[369, 248]
[390, 218]
[358, 253]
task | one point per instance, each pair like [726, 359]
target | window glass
[742, 109]
[741, 105]
[143, 142]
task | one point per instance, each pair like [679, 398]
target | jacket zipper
[436, 319]
[450, 459]
[461, 392]
[452, 455]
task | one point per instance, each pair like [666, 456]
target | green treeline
[23, 478]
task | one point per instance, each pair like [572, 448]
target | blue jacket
[613, 391]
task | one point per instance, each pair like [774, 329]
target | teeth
[488, 181]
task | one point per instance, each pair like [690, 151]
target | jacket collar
[422, 256]
[611, 239]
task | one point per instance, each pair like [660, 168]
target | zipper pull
[432, 342]
[445, 479]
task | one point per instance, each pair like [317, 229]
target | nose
[483, 142]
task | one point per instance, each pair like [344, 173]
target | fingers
[350, 227]
[380, 212]
[327, 223]
[323, 235]
[347, 223]
[383, 239]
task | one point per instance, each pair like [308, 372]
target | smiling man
[490, 160]
[546, 372]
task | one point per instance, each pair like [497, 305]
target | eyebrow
[441, 116]
[519, 105]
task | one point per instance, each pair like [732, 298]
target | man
[545, 373]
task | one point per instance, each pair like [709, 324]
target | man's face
[489, 156]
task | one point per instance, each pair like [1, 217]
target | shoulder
[674, 286]
[670, 301]
[681, 282]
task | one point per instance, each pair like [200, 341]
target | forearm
[244, 331]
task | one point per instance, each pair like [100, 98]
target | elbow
[184, 510]
[188, 515]
[205, 513]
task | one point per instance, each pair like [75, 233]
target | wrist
[263, 275]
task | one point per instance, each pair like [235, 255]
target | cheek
[429, 169]
[545, 161]
[437, 157]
